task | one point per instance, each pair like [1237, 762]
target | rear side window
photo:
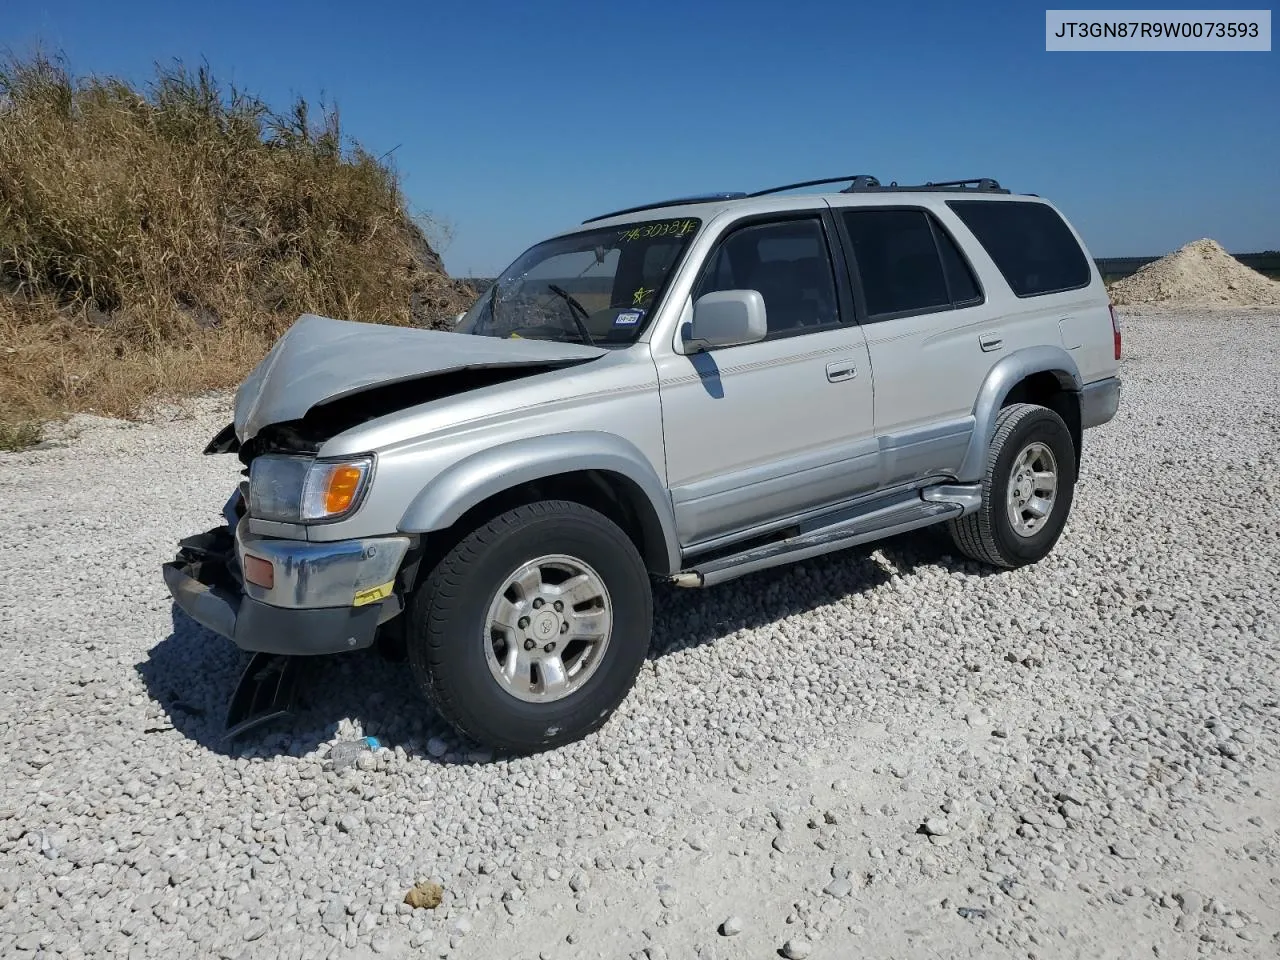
[1029, 243]
[907, 263]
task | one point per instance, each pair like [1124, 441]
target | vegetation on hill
[156, 240]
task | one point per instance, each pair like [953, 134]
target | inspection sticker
[628, 318]
[373, 594]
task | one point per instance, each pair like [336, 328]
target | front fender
[1002, 378]
[470, 481]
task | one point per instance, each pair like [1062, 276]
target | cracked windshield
[596, 287]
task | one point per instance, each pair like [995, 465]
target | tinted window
[1033, 248]
[960, 281]
[788, 263]
[897, 260]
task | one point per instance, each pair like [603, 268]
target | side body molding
[476, 478]
[1000, 380]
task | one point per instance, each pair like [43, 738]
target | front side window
[598, 286]
[1029, 242]
[788, 263]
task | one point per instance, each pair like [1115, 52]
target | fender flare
[1002, 378]
[474, 479]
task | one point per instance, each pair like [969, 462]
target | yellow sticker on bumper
[373, 594]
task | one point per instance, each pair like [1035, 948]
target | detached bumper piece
[267, 691]
[205, 582]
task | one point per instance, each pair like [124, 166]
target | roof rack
[856, 178]
[977, 185]
[858, 183]
[679, 201]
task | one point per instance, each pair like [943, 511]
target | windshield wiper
[575, 309]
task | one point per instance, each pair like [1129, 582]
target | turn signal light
[258, 571]
[340, 491]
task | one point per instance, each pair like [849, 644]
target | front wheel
[531, 630]
[1026, 492]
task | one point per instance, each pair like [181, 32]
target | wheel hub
[1032, 490]
[547, 629]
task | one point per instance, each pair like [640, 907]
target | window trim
[855, 275]
[1088, 267]
[845, 312]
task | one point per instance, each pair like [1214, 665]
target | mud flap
[267, 691]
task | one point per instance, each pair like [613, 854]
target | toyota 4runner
[685, 391]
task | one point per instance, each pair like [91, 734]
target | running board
[911, 513]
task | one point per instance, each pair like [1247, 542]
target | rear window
[1029, 243]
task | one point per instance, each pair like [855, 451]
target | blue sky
[513, 120]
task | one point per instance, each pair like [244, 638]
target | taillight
[1115, 328]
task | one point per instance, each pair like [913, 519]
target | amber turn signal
[259, 572]
[344, 482]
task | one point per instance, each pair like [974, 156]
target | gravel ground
[881, 753]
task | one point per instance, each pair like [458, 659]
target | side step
[838, 532]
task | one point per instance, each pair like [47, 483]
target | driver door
[760, 432]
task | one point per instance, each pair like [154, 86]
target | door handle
[841, 370]
[989, 342]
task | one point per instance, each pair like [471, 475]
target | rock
[424, 895]
[1124, 850]
[349, 823]
[838, 888]
[731, 927]
[579, 882]
[935, 827]
[797, 948]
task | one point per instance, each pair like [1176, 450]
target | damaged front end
[296, 599]
[260, 580]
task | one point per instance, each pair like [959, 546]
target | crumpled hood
[319, 359]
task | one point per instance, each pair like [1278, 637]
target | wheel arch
[1044, 375]
[600, 470]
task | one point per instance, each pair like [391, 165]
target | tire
[989, 535]
[461, 656]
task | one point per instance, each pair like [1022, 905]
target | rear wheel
[531, 630]
[1026, 492]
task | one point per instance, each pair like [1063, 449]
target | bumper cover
[323, 591]
[1099, 401]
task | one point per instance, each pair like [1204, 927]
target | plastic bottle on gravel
[344, 754]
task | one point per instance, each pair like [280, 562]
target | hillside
[156, 240]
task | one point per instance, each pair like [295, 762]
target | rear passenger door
[928, 334]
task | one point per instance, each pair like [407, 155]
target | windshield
[597, 287]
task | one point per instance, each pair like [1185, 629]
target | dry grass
[156, 241]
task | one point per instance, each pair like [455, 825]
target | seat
[779, 283]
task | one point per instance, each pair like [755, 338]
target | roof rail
[679, 201]
[856, 178]
[858, 183]
[977, 185]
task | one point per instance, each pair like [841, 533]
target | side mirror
[727, 318]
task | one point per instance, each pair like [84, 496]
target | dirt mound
[156, 239]
[1200, 272]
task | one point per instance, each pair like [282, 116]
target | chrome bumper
[325, 598]
[341, 573]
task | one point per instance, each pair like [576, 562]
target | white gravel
[882, 753]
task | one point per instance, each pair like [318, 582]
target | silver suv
[685, 391]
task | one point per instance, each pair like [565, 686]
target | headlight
[302, 489]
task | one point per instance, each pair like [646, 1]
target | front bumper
[326, 597]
